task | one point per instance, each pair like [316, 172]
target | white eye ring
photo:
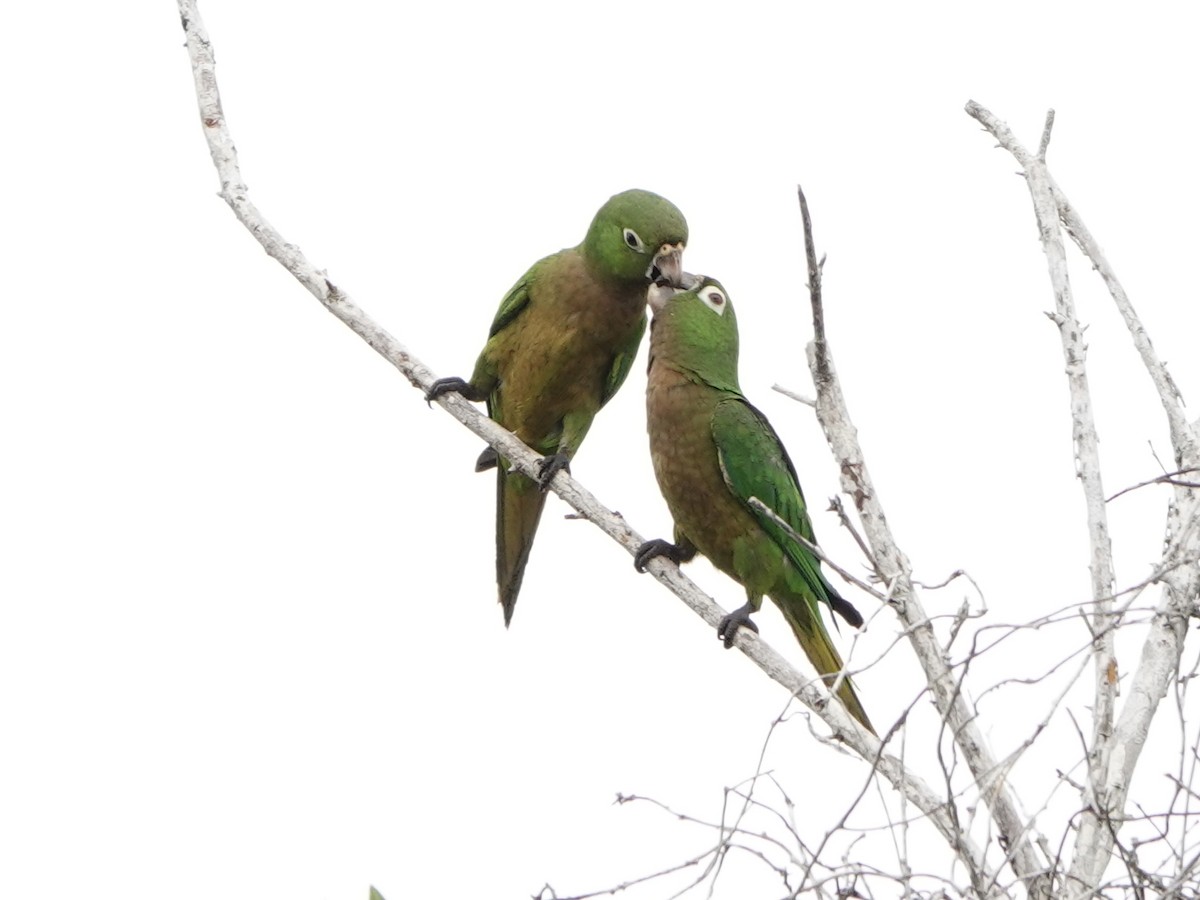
[714, 298]
[633, 241]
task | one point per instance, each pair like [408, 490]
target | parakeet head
[637, 236]
[696, 331]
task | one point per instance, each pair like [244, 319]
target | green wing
[755, 464]
[485, 378]
[514, 301]
[623, 361]
[517, 297]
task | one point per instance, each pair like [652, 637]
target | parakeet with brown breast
[712, 452]
[559, 348]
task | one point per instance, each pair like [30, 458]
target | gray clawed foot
[458, 386]
[739, 618]
[550, 466]
[657, 547]
[547, 468]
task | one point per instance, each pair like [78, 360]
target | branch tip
[1045, 144]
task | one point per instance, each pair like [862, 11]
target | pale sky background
[249, 645]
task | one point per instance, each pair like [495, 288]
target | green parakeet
[712, 452]
[560, 346]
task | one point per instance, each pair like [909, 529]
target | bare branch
[1045, 144]
[1087, 451]
[1183, 435]
[1116, 748]
[897, 573]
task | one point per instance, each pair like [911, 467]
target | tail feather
[819, 649]
[842, 607]
[519, 504]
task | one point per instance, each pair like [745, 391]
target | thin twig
[1171, 478]
[835, 504]
[757, 504]
[799, 398]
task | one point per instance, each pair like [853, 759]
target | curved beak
[659, 293]
[663, 290]
[668, 264]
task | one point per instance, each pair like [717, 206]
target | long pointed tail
[819, 649]
[519, 504]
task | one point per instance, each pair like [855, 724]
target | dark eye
[714, 298]
[632, 239]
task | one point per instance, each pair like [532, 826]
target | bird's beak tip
[668, 264]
